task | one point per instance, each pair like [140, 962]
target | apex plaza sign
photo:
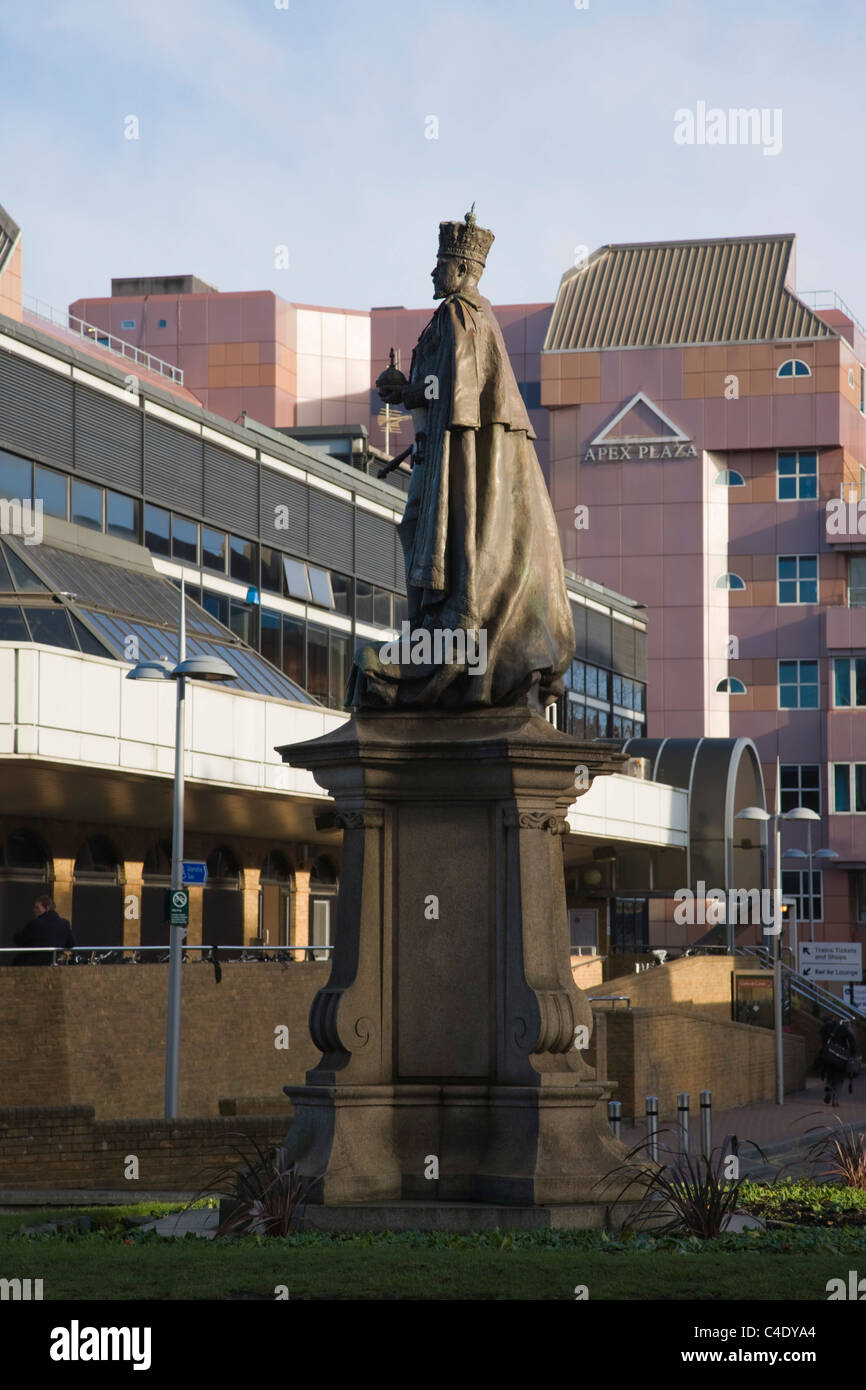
[666, 441]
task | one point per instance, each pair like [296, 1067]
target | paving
[782, 1131]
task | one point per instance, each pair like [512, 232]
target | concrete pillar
[62, 892]
[132, 872]
[301, 907]
[250, 891]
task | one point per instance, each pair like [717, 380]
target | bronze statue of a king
[489, 618]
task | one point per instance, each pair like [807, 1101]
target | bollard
[652, 1126]
[614, 1115]
[706, 1123]
[683, 1118]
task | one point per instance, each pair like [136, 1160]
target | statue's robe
[479, 535]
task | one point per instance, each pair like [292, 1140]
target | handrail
[808, 989]
[103, 953]
[70, 323]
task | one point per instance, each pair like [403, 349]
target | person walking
[838, 1050]
[45, 928]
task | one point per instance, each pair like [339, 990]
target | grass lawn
[544, 1266]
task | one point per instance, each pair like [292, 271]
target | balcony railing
[79, 328]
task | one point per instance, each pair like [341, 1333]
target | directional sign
[194, 871]
[831, 960]
[177, 905]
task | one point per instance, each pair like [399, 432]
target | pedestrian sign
[177, 907]
[194, 871]
[831, 960]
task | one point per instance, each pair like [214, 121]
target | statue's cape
[475, 386]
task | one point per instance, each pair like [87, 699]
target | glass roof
[118, 603]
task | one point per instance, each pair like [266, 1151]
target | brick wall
[660, 1052]
[95, 1035]
[65, 1147]
[702, 982]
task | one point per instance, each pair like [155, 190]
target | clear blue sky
[305, 127]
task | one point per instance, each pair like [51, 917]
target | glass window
[6, 585]
[860, 787]
[860, 680]
[317, 661]
[320, 587]
[184, 540]
[798, 685]
[603, 685]
[342, 597]
[339, 657]
[157, 530]
[797, 475]
[857, 581]
[50, 626]
[842, 787]
[22, 575]
[12, 625]
[363, 601]
[242, 620]
[270, 643]
[729, 477]
[217, 605]
[213, 549]
[801, 786]
[86, 640]
[575, 718]
[592, 681]
[797, 578]
[86, 505]
[842, 682]
[293, 649]
[272, 568]
[14, 476]
[382, 607]
[242, 560]
[401, 608]
[638, 690]
[52, 488]
[295, 572]
[121, 516]
[795, 885]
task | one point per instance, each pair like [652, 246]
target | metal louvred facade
[659, 294]
[173, 466]
[35, 410]
[107, 440]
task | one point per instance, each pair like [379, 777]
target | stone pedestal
[449, 1069]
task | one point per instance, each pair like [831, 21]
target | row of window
[176, 537]
[796, 475]
[797, 580]
[799, 683]
[801, 786]
[315, 657]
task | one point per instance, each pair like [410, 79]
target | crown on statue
[465, 239]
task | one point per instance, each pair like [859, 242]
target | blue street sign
[194, 871]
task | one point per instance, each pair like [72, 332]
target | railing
[829, 299]
[132, 955]
[807, 989]
[70, 323]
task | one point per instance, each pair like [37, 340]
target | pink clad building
[294, 365]
[703, 416]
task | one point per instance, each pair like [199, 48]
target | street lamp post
[206, 668]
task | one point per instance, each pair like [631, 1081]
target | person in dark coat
[45, 928]
[838, 1049]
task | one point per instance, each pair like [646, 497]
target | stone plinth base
[460, 1217]
[453, 1036]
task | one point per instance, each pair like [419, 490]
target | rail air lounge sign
[639, 431]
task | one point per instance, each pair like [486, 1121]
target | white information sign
[832, 960]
